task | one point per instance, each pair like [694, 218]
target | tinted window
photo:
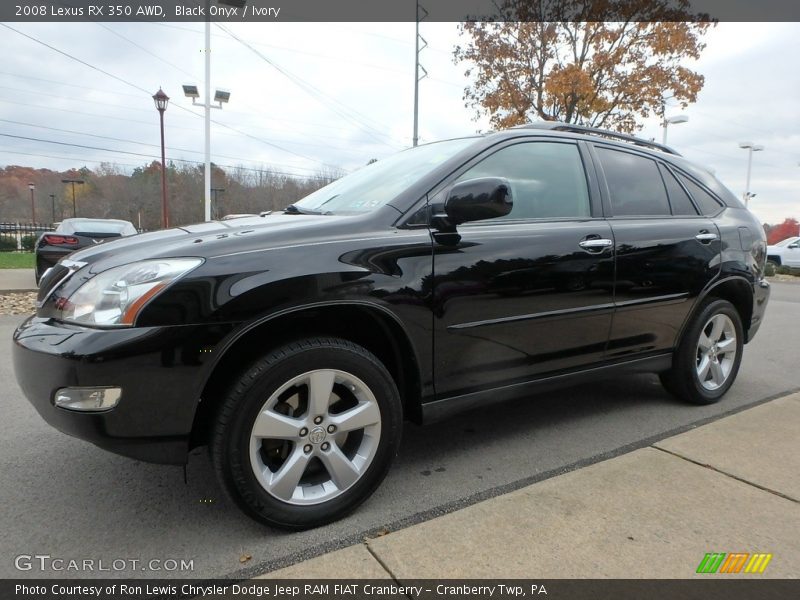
[708, 205]
[678, 198]
[634, 184]
[547, 179]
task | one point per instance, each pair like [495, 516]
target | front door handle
[596, 244]
[705, 237]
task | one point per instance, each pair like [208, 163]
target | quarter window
[634, 184]
[707, 203]
[547, 179]
[678, 198]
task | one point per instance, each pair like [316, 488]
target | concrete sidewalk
[729, 486]
[17, 280]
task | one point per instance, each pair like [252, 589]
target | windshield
[376, 184]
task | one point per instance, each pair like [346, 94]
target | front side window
[634, 184]
[547, 179]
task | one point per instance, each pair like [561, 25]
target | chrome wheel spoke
[717, 326]
[703, 368]
[320, 388]
[705, 342]
[359, 417]
[272, 425]
[717, 376]
[342, 471]
[726, 345]
[284, 481]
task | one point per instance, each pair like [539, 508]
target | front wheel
[707, 360]
[307, 433]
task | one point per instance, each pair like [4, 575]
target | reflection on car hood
[217, 238]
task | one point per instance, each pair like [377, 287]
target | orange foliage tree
[789, 228]
[600, 63]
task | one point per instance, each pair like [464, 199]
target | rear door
[666, 251]
[530, 293]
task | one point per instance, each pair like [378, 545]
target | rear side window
[634, 183]
[707, 203]
[678, 198]
[547, 179]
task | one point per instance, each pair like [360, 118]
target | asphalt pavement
[67, 499]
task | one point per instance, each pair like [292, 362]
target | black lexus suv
[448, 276]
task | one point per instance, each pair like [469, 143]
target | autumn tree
[789, 228]
[589, 62]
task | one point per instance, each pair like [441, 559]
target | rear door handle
[706, 237]
[596, 244]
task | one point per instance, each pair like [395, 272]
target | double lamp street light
[191, 91]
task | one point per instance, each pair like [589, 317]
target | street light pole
[162, 100]
[750, 147]
[207, 83]
[672, 121]
[73, 182]
[220, 97]
[215, 205]
[32, 187]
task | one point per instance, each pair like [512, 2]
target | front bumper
[161, 371]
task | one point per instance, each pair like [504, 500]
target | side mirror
[794, 246]
[478, 199]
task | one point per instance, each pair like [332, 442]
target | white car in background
[785, 253]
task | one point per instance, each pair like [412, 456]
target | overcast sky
[337, 95]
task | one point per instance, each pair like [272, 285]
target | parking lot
[68, 499]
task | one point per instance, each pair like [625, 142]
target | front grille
[50, 279]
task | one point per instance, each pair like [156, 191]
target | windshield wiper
[293, 209]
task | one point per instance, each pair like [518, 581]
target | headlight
[116, 296]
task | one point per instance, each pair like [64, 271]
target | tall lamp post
[220, 97]
[750, 147]
[672, 121]
[215, 205]
[162, 100]
[73, 182]
[32, 187]
[53, 201]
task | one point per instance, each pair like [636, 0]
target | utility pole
[53, 200]
[417, 68]
[73, 182]
[32, 187]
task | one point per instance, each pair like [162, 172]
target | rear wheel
[307, 433]
[707, 360]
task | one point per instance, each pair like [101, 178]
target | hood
[218, 238]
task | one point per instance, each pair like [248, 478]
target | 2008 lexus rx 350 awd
[445, 277]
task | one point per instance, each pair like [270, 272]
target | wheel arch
[370, 325]
[736, 290]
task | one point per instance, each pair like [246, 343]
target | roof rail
[559, 126]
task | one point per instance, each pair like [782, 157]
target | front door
[530, 293]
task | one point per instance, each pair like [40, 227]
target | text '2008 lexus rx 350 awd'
[446, 277]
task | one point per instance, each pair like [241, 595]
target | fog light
[88, 399]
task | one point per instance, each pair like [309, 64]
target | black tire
[682, 380]
[230, 440]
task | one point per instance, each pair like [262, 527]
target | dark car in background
[74, 234]
[447, 277]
